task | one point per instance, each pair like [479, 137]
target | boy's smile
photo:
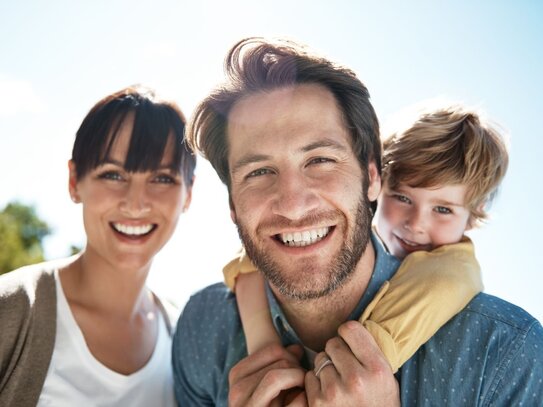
[412, 219]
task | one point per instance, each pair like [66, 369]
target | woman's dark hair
[154, 122]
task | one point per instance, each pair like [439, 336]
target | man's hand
[262, 378]
[359, 376]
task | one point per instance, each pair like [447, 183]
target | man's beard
[309, 285]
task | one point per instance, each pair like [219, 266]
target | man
[295, 139]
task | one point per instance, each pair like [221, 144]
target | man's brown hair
[256, 65]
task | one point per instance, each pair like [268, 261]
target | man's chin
[299, 292]
[306, 282]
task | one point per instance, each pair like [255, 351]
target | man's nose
[295, 196]
[135, 202]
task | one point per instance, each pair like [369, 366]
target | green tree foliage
[21, 235]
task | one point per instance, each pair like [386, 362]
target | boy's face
[413, 219]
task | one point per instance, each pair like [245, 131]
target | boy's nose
[415, 222]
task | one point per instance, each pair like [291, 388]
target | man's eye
[402, 198]
[442, 210]
[111, 176]
[320, 160]
[258, 173]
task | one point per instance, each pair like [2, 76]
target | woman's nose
[135, 203]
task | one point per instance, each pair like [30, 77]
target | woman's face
[128, 217]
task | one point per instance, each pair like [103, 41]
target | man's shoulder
[493, 310]
[214, 298]
[488, 343]
[208, 341]
[210, 312]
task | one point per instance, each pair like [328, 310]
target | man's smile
[303, 238]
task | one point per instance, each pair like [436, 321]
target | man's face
[299, 196]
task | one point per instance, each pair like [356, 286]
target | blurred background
[57, 58]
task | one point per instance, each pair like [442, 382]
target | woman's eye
[164, 179]
[111, 176]
[442, 210]
[402, 198]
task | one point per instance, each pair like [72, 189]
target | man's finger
[260, 359]
[274, 382]
[362, 345]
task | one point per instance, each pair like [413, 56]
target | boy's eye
[111, 176]
[402, 198]
[442, 210]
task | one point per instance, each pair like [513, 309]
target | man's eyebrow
[325, 143]
[249, 159]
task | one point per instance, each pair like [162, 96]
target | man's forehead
[288, 103]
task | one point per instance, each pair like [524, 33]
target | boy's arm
[240, 274]
[428, 289]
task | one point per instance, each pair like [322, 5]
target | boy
[438, 175]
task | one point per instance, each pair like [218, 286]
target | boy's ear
[374, 184]
[473, 221]
[72, 182]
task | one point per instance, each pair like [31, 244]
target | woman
[87, 330]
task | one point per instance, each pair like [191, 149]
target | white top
[76, 378]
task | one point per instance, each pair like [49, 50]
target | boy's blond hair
[447, 146]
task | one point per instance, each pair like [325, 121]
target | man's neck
[316, 321]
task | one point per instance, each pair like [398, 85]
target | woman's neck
[95, 284]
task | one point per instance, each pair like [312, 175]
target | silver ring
[326, 362]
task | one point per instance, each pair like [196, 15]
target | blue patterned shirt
[490, 354]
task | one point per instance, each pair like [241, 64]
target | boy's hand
[262, 378]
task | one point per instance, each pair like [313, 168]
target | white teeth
[133, 230]
[305, 238]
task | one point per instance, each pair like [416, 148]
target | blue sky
[57, 58]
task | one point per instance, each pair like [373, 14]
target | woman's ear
[188, 196]
[374, 182]
[72, 182]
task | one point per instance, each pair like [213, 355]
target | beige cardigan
[27, 331]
